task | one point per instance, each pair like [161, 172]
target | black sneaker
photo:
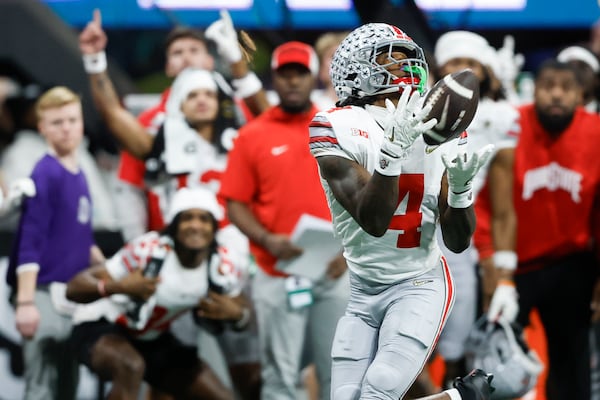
[477, 385]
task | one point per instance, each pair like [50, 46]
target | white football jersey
[409, 247]
[180, 289]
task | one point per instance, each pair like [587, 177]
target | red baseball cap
[295, 53]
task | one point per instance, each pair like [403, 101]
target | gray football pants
[387, 335]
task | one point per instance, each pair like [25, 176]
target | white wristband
[95, 63]
[388, 165]
[460, 200]
[247, 86]
[35, 267]
[453, 394]
[505, 259]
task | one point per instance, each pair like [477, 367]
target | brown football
[454, 100]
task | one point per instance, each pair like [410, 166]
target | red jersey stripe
[320, 124]
[317, 139]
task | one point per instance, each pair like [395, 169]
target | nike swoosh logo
[430, 149]
[442, 123]
[422, 282]
[279, 150]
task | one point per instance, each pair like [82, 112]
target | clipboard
[315, 236]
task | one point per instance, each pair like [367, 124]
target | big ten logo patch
[359, 132]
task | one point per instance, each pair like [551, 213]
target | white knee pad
[393, 370]
[383, 376]
[402, 354]
[347, 392]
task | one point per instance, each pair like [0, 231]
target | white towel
[181, 146]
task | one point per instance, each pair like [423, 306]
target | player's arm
[457, 223]
[504, 303]
[248, 87]
[225, 308]
[96, 282]
[34, 225]
[503, 218]
[279, 245]
[370, 199]
[245, 82]
[124, 126]
[457, 217]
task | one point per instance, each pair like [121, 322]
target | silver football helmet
[356, 73]
[496, 348]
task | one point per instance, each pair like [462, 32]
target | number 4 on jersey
[410, 196]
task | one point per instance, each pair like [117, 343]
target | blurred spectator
[588, 69]
[556, 181]
[184, 47]
[325, 45]
[123, 335]
[54, 241]
[28, 146]
[271, 180]
[188, 150]
[507, 66]
[493, 123]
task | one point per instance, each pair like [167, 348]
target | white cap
[462, 44]
[190, 198]
[578, 53]
[188, 80]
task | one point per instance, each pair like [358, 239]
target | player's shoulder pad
[339, 128]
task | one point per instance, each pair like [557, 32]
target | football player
[122, 333]
[387, 195]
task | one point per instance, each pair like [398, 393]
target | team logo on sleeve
[383, 163]
[84, 210]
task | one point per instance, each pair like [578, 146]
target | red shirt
[272, 170]
[555, 187]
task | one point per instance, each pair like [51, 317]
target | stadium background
[39, 45]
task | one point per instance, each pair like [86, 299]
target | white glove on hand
[403, 125]
[461, 172]
[504, 303]
[510, 63]
[225, 37]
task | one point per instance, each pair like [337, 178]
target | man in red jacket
[556, 194]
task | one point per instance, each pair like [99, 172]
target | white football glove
[510, 63]
[461, 172]
[223, 33]
[403, 125]
[504, 303]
